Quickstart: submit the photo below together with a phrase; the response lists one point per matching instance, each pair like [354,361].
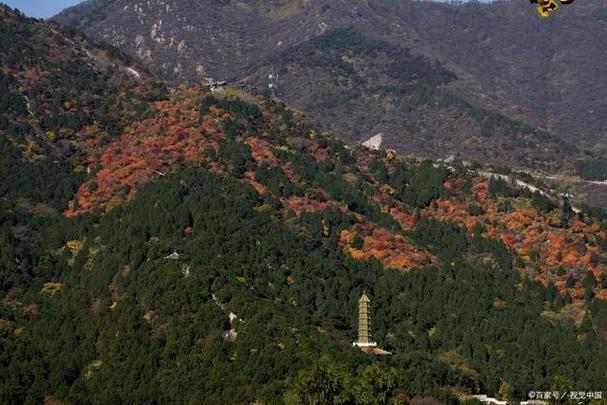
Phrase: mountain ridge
[489,46]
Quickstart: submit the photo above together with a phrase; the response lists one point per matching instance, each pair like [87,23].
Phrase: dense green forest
[595,169]
[129,325]
[259,302]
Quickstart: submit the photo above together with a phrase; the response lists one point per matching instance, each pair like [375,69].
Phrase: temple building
[364,323]
[364,342]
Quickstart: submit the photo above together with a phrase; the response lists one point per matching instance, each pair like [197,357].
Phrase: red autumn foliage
[391,250]
[148,150]
[250,179]
[406,220]
[318,152]
[301,205]
[261,152]
[534,236]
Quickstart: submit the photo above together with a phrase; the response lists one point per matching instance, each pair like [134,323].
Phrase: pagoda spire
[364,323]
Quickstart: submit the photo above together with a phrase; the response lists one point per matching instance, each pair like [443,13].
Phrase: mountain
[168,244]
[509,90]
[62,96]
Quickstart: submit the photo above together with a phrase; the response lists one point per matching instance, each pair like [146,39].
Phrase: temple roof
[364,298]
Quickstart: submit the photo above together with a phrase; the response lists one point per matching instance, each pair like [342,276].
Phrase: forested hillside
[183,246]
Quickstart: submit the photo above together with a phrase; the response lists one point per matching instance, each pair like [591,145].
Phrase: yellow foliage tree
[505,391]
[74,244]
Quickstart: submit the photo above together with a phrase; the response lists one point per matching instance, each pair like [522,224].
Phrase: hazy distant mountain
[542,72]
